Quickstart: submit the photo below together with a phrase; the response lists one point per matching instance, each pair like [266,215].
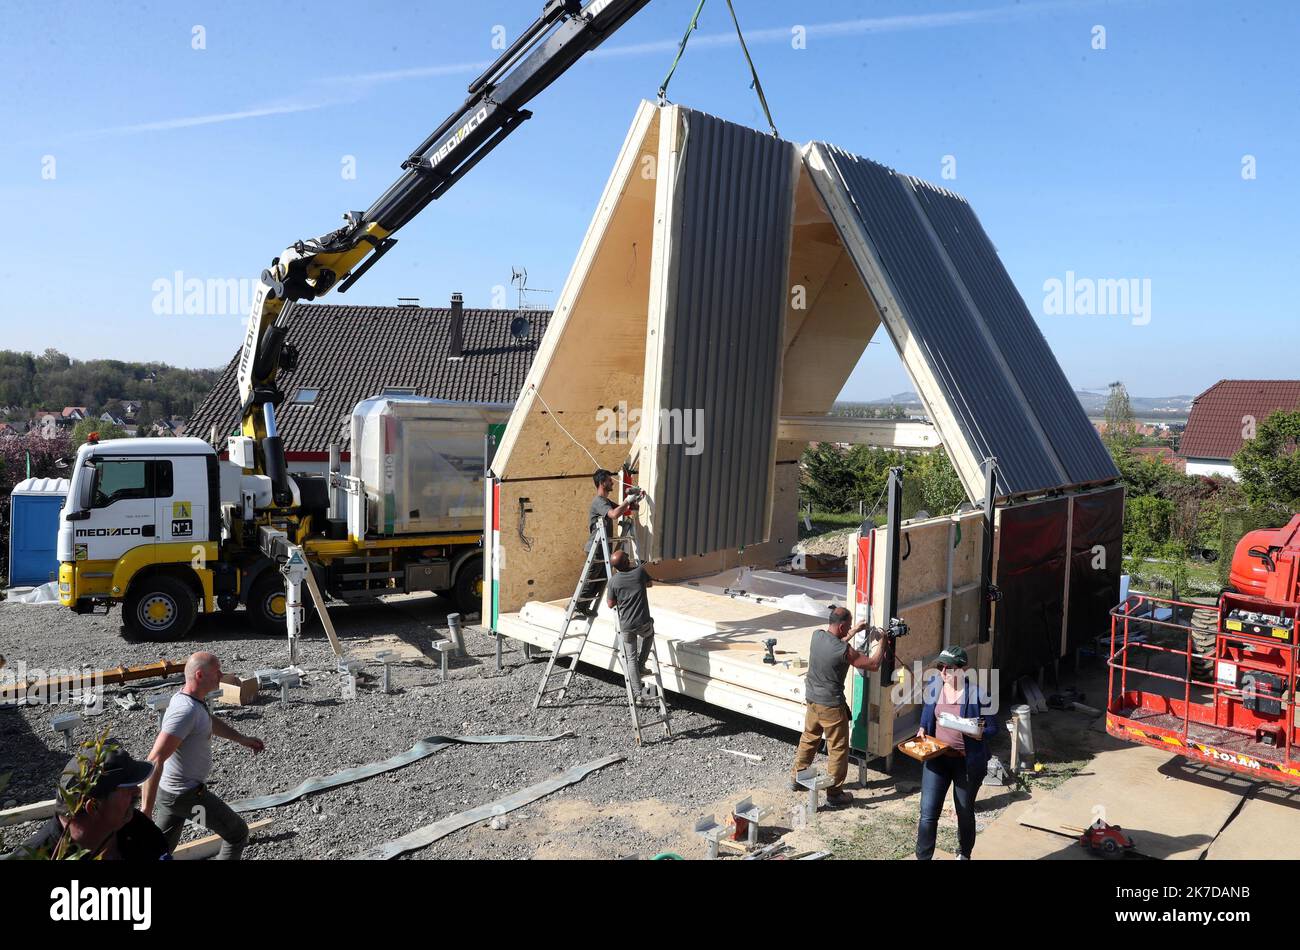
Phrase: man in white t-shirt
[182,758]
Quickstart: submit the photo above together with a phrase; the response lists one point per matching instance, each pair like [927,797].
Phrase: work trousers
[636,647]
[936,775]
[832,722]
[202,807]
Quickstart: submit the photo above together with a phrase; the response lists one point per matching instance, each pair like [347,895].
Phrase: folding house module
[726,288]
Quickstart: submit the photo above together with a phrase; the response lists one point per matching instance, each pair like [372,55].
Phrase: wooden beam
[883,433]
[204,848]
[37,811]
[120,674]
[325,620]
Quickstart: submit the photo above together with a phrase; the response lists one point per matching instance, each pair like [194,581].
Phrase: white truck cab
[133,505]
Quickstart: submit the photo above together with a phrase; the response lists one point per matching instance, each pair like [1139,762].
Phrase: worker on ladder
[627,594]
[602,506]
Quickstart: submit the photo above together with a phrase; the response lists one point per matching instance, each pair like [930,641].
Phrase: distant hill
[1094,403]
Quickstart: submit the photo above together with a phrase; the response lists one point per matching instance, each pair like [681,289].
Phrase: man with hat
[949,695]
[106,825]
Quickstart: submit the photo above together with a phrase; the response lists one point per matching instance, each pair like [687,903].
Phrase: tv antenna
[519,277]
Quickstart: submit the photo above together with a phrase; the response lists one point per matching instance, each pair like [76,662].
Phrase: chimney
[456,347]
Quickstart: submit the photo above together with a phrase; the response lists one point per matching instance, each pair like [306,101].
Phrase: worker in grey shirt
[627,594]
[827,714]
[182,758]
[602,506]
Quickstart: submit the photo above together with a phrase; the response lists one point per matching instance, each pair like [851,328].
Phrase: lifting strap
[756,85]
[681,48]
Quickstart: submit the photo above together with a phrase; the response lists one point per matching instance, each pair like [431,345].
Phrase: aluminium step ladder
[602,546]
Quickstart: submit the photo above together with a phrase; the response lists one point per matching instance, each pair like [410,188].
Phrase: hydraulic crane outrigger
[565,31]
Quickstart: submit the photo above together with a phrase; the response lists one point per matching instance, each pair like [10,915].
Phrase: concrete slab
[1267,827]
[371,647]
[1008,840]
[1171,810]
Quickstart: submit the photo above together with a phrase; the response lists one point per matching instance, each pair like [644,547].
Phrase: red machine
[1229,703]
[1110,841]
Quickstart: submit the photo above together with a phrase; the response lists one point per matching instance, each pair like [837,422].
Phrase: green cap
[953,656]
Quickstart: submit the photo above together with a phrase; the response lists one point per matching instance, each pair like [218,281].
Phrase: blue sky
[1116,163]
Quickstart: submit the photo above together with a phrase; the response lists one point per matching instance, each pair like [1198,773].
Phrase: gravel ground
[637,807]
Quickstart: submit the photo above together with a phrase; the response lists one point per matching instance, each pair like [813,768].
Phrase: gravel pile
[832,543]
[636,807]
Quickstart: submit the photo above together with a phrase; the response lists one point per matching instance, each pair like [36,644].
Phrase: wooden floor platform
[710,646]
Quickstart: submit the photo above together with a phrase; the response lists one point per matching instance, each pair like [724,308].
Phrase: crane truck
[168,529]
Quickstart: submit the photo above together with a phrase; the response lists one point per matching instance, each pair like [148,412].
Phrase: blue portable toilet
[34,530]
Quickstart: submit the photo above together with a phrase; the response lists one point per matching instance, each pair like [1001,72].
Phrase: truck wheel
[266,604]
[469,587]
[160,608]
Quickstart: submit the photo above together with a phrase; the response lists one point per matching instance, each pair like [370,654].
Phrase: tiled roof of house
[351,353]
[1221,414]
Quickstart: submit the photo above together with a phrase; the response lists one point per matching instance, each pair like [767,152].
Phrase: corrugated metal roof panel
[723,333]
[978,342]
[1027,356]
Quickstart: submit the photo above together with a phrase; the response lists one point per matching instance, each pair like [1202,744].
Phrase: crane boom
[564,32]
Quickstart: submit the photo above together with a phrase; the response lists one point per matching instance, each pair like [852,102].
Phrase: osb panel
[923,557]
[925,634]
[544,563]
[593,354]
[825,337]
[965,610]
[556,531]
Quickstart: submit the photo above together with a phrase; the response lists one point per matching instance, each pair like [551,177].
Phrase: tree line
[53,380]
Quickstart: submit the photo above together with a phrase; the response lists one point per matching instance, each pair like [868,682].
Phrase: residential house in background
[1163,454]
[347,354]
[46,422]
[1150,430]
[1225,415]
